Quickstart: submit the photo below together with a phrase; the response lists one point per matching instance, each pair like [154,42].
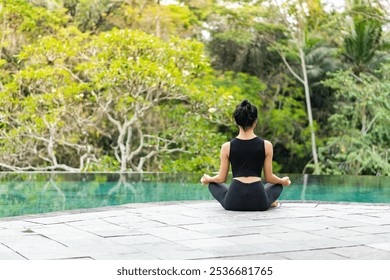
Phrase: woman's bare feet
[275,204]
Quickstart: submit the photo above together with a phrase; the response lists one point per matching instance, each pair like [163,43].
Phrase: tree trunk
[158,27]
[309,111]
[122,148]
[364,129]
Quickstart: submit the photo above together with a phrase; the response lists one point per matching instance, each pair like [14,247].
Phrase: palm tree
[363,45]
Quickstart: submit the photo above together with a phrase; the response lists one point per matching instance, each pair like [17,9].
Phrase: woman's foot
[275,204]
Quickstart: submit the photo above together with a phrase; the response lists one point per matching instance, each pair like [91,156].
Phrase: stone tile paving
[201,230]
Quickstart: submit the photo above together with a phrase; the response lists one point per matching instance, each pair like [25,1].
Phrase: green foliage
[21,23]
[105,163]
[360,140]
[200,140]
[91,13]
[160,20]
[76,88]
[364,40]
[283,121]
[204,130]
[117,85]
[22,20]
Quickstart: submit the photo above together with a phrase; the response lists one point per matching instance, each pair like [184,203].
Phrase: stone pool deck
[201,230]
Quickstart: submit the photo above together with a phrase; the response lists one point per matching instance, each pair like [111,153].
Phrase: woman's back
[247,157]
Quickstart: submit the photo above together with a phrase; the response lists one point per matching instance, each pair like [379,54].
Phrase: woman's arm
[223,169]
[270,177]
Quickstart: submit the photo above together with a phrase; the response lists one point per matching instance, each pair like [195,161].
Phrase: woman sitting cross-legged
[248,156]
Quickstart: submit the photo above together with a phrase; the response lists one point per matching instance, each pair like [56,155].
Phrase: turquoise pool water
[31,193]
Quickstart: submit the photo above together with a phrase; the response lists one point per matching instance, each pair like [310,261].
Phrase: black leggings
[245,196]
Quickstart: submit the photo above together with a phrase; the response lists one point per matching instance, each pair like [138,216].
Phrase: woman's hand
[205,179]
[286,181]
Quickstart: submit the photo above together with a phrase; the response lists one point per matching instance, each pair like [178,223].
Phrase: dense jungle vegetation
[143,85]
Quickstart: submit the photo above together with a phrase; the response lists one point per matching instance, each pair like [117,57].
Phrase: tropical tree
[132,73]
[44,124]
[150,16]
[360,140]
[364,46]
[21,23]
[294,15]
[84,99]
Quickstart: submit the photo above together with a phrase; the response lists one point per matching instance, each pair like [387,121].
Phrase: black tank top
[247,157]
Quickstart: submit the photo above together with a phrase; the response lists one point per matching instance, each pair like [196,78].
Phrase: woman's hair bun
[245,114]
[244,103]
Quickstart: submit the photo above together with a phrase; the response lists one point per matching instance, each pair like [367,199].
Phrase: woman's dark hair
[245,114]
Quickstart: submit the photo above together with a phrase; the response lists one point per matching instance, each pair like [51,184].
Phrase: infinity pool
[31,193]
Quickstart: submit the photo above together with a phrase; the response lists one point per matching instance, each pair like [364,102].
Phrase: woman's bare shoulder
[226,144]
[268,147]
[267,143]
[225,148]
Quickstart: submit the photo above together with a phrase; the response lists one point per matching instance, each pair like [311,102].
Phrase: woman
[248,155]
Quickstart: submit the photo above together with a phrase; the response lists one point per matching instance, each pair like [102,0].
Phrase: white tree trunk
[309,111]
